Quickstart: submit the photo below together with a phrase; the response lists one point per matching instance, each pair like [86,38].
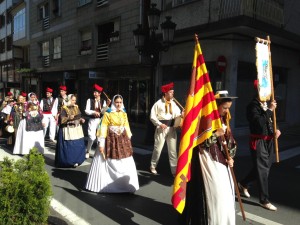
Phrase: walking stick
[174,99]
[106,95]
[224,144]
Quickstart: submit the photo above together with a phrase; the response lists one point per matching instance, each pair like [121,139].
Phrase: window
[180,2]
[57,48]
[9,18]
[56,8]
[2,45]
[9,43]
[19,25]
[108,32]
[83,2]
[45,53]
[45,48]
[43,11]
[86,43]
[2,20]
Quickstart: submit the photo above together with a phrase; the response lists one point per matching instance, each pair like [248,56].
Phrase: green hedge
[25,190]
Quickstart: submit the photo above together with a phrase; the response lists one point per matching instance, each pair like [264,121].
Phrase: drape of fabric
[26,140]
[73,133]
[70,151]
[17,114]
[117,119]
[34,121]
[168,107]
[112,175]
[219,191]
[118,146]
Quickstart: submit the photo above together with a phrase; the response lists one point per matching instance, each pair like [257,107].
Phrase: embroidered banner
[263,71]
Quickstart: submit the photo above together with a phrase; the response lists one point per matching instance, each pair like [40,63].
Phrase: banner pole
[272,99]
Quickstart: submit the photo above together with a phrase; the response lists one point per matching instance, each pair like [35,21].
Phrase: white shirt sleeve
[41,104]
[153,116]
[88,110]
[54,107]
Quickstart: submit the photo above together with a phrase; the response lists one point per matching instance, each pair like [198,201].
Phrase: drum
[178,121]
[9,129]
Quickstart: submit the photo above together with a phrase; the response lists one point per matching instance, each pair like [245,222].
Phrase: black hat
[223,94]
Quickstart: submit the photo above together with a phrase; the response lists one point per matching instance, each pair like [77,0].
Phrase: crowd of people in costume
[210,195]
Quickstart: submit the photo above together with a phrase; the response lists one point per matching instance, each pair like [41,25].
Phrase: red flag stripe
[192,114]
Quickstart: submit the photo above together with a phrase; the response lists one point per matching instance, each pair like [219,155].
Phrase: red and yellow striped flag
[201,119]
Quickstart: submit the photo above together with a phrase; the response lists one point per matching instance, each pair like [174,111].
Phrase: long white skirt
[219,191]
[26,140]
[112,175]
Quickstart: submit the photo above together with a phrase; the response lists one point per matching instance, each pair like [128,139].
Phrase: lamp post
[145,38]
[149,46]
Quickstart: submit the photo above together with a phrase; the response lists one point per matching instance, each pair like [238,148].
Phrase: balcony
[102,52]
[46,61]
[267,11]
[46,23]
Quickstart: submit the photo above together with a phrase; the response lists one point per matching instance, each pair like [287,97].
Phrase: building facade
[12,54]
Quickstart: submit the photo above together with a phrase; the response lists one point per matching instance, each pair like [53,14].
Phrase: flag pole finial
[196,38]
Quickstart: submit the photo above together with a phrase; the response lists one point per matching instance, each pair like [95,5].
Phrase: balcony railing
[263,10]
[46,23]
[101,2]
[46,61]
[102,52]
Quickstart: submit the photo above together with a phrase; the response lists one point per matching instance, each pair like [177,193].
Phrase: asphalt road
[151,204]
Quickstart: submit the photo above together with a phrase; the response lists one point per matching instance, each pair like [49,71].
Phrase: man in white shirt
[95,108]
[163,114]
[49,113]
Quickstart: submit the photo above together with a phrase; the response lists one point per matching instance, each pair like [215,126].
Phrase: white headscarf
[29,99]
[113,106]
[68,102]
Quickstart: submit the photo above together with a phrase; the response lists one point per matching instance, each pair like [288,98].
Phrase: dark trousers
[262,159]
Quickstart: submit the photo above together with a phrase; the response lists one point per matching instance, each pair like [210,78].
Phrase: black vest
[92,106]
[46,106]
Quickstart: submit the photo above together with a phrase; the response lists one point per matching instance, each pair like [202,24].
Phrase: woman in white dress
[30,130]
[113,169]
[210,196]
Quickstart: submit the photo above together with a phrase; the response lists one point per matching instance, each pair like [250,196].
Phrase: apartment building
[227,31]
[11,55]
[81,42]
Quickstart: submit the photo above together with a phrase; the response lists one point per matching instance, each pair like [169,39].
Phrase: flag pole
[272,99]
[224,144]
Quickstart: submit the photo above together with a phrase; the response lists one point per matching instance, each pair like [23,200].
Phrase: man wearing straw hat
[95,108]
[49,114]
[163,113]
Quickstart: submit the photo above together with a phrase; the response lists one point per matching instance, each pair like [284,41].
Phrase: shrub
[25,190]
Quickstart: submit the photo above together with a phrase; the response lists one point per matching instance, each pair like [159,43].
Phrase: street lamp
[145,39]
[148,45]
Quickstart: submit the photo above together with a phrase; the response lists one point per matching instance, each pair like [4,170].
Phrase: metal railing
[263,10]
[101,2]
[102,52]
[46,23]
[46,61]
